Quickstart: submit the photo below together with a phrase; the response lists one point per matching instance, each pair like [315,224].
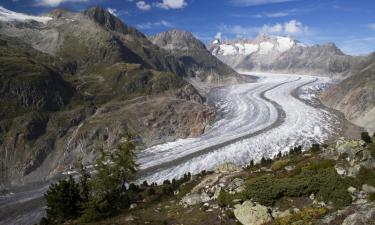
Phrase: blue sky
[348,23]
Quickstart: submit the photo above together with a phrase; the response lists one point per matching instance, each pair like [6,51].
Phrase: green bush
[315,148]
[63,201]
[225,199]
[372,197]
[366,176]
[279,164]
[306,216]
[319,178]
[371,148]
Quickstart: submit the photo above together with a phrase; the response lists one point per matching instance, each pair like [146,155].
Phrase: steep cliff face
[198,61]
[355,96]
[74,83]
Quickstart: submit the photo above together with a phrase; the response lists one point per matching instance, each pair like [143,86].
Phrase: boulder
[341,170]
[351,147]
[250,213]
[237,185]
[368,189]
[227,168]
[354,170]
[195,198]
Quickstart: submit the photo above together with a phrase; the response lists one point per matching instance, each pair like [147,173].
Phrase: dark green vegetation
[64,201]
[366,137]
[313,175]
[106,192]
[285,182]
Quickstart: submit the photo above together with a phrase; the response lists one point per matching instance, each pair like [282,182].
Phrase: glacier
[258,120]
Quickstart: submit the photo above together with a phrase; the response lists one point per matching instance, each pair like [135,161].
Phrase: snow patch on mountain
[262,45]
[7,15]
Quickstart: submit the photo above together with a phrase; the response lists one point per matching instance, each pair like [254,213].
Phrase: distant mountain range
[354,91]
[284,55]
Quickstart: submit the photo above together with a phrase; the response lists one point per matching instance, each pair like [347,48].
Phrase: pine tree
[109,191]
[84,185]
[366,137]
[252,163]
[63,201]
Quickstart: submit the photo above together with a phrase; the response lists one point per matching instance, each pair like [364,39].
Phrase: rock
[133,205]
[217,192]
[195,198]
[279,214]
[352,190]
[351,147]
[227,168]
[252,214]
[362,214]
[341,170]
[354,170]
[129,218]
[204,197]
[368,189]
[289,168]
[237,185]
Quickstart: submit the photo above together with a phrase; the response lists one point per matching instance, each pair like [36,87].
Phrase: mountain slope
[73,83]
[284,55]
[192,52]
[90,37]
[355,96]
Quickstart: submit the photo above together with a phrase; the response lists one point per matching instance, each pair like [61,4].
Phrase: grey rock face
[355,95]
[192,52]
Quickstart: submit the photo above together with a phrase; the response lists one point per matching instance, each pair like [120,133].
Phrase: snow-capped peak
[7,15]
[263,44]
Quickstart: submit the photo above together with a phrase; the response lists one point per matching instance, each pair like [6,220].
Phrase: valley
[144,116]
[255,120]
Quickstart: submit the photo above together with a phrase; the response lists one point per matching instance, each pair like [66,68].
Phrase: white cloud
[372,26]
[142,5]
[113,11]
[257,2]
[218,35]
[151,25]
[292,27]
[274,29]
[171,4]
[54,3]
[295,27]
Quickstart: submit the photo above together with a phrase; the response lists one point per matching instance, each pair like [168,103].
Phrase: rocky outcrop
[250,213]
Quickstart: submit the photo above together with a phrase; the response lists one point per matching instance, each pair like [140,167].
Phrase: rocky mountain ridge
[284,55]
[72,83]
[195,56]
[355,96]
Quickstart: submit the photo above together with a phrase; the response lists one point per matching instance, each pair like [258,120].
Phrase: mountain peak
[111,22]
[8,15]
[177,39]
